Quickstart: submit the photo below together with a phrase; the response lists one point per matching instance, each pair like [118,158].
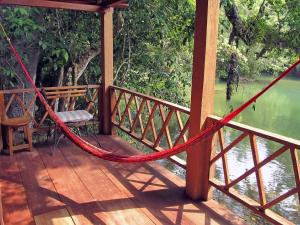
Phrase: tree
[260,33]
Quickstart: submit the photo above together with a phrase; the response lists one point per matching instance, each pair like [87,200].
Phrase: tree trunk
[83,62]
[233,78]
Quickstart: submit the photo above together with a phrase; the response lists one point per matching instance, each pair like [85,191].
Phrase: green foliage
[154,42]
[274,43]
[158,48]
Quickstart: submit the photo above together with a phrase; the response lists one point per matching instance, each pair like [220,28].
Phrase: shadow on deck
[93,191]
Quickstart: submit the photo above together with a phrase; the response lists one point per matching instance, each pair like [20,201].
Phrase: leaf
[66,56]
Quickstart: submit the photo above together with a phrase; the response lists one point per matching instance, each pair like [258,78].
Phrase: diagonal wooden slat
[280,198]
[180,124]
[165,126]
[92,102]
[46,114]
[21,104]
[163,129]
[150,119]
[259,179]
[116,107]
[183,131]
[229,147]
[152,124]
[224,157]
[11,99]
[119,110]
[25,109]
[31,104]
[138,116]
[261,164]
[126,111]
[296,168]
[118,100]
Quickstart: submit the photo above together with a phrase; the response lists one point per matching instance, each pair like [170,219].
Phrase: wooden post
[107,71]
[1,209]
[2,109]
[203,82]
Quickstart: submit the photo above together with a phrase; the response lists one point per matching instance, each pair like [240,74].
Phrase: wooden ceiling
[81,5]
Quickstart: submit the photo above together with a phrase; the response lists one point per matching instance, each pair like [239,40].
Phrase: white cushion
[74,116]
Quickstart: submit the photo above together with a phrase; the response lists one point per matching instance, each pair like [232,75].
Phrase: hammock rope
[106,155]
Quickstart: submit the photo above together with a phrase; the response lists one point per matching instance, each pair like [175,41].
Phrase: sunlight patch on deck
[57,217]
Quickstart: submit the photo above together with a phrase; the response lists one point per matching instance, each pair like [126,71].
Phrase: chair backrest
[69,94]
[64,92]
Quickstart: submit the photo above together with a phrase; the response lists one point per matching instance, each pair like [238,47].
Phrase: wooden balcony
[67,184]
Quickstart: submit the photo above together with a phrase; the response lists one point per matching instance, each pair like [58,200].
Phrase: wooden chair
[70,115]
[69,96]
[11,124]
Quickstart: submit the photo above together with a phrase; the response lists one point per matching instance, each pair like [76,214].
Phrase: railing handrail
[28,90]
[163,102]
[260,133]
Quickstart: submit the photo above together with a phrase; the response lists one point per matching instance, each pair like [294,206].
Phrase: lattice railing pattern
[156,123]
[26,100]
[263,203]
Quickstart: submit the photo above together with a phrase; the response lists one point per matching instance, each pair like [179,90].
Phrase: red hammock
[101,153]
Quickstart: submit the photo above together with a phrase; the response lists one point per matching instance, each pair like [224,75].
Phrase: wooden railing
[148,120]
[161,125]
[65,98]
[263,205]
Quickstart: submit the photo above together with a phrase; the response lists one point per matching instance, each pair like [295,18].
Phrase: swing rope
[106,155]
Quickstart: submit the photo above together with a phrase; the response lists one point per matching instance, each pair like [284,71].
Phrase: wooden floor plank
[41,194]
[57,217]
[14,201]
[152,190]
[75,187]
[70,188]
[119,208]
[162,191]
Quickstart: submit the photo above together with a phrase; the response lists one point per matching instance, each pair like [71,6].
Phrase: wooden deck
[72,187]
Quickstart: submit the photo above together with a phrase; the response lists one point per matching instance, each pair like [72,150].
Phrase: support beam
[202,100]
[71,5]
[107,71]
[111,3]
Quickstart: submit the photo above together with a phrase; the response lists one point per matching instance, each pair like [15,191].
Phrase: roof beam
[71,5]
[111,3]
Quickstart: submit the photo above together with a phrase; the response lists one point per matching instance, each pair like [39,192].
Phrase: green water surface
[278,110]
